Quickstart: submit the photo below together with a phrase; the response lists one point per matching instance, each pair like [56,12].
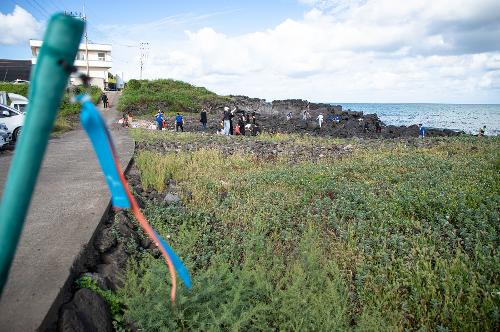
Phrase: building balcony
[92,63]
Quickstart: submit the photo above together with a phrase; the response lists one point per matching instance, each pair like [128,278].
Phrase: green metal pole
[48,81]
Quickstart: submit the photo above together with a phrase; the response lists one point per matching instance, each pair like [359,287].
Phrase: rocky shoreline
[272,118]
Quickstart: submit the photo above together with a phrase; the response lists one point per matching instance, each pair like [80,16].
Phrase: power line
[54,5]
[42,9]
[33,11]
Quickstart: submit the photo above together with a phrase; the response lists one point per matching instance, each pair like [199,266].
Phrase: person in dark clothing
[179,121]
[231,116]
[378,127]
[253,117]
[125,122]
[241,123]
[104,98]
[421,131]
[331,118]
[203,118]
[255,129]
[248,118]
[231,129]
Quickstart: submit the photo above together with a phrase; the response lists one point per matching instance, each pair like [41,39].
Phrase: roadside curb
[86,255]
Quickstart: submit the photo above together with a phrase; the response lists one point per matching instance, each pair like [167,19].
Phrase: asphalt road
[69,200]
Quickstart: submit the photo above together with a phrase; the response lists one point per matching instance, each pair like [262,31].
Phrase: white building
[99,62]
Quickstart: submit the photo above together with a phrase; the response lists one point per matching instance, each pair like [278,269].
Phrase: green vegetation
[148,136]
[142,97]
[67,110]
[395,237]
[20,89]
[113,301]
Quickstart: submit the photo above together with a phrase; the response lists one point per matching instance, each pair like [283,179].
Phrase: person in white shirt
[320,119]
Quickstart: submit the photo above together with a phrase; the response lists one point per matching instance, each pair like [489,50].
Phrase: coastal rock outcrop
[276,107]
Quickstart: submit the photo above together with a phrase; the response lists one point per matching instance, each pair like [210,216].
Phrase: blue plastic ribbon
[176,261]
[97,131]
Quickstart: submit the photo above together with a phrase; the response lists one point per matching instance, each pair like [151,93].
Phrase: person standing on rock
[482,131]
[227,121]
[331,118]
[421,131]
[231,126]
[254,117]
[203,118]
[378,127]
[179,122]
[320,120]
[241,124]
[159,120]
[306,115]
[289,116]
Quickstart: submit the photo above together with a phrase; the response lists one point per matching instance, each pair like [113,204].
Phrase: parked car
[13,119]
[5,136]
[19,81]
[18,102]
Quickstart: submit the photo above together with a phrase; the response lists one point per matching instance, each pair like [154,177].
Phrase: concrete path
[69,201]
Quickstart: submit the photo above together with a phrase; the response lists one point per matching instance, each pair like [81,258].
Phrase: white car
[19,81]
[18,102]
[13,119]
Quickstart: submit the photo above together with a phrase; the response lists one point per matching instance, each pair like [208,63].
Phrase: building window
[80,56]
[101,56]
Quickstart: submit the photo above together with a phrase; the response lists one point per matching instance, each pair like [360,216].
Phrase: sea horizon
[418,103]
[461,117]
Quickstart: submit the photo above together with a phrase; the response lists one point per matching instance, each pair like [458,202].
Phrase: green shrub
[146,97]
[20,89]
[397,237]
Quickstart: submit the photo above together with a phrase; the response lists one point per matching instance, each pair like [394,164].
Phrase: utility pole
[144,48]
[84,18]
[86,40]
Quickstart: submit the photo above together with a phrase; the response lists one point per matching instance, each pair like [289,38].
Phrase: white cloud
[18,27]
[372,50]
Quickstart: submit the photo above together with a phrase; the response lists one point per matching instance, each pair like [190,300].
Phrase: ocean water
[466,117]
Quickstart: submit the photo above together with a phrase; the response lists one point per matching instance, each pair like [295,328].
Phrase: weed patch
[393,237]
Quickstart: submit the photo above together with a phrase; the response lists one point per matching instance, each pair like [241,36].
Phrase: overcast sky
[322,50]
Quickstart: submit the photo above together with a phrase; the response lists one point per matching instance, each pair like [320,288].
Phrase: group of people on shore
[238,123]
[233,123]
[161,121]
[332,118]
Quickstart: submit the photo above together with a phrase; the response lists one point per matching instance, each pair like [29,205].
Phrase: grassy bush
[67,110]
[397,237]
[146,97]
[20,89]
